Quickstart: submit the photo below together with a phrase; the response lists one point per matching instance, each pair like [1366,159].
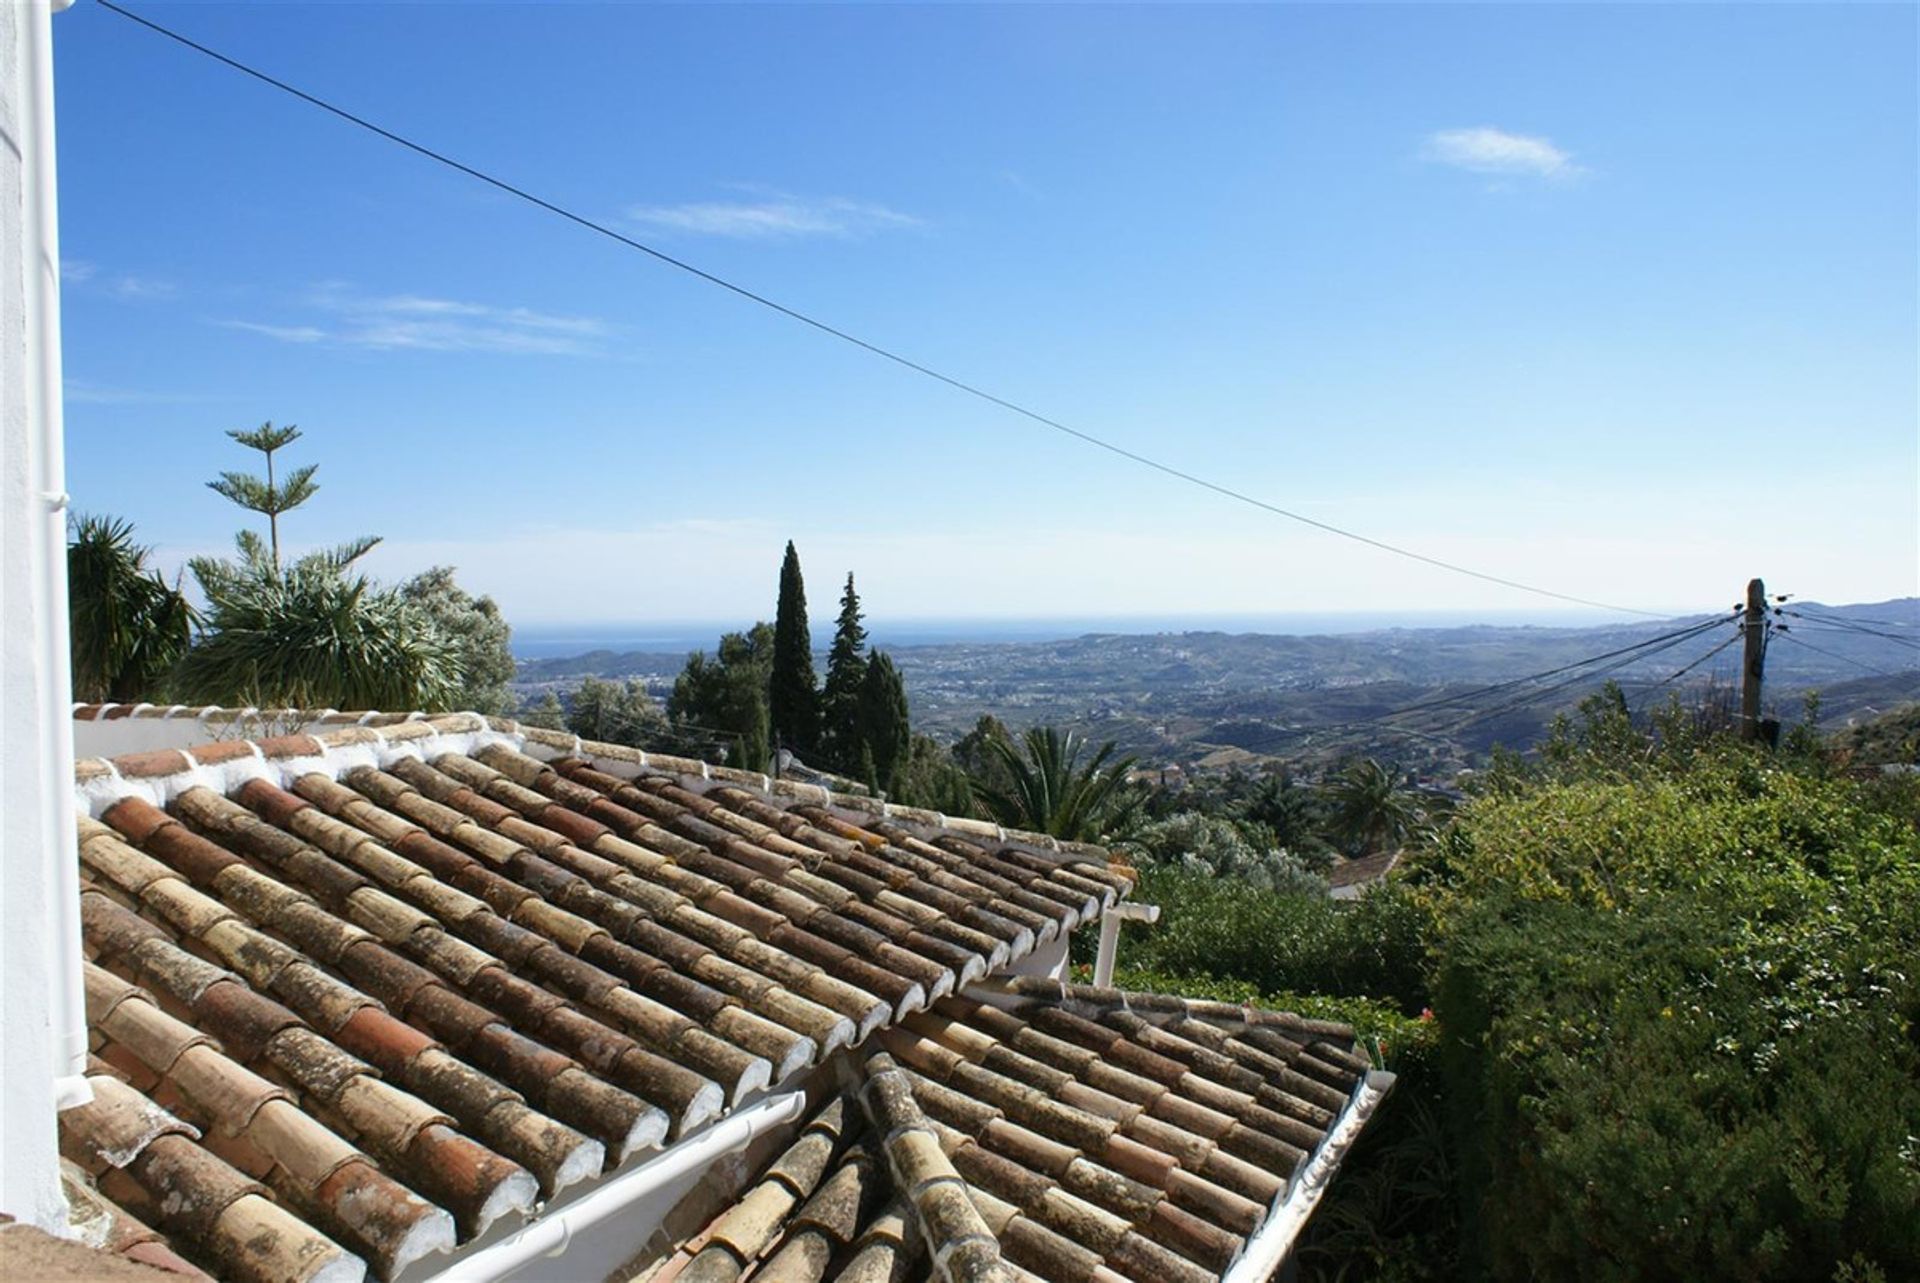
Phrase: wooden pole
[1753,671]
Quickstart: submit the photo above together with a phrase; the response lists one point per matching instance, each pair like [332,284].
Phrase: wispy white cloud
[129,286]
[412,322]
[87,275]
[285,333]
[774,215]
[1485,150]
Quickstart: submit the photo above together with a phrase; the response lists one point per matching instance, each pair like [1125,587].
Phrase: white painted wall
[42,1030]
[143,734]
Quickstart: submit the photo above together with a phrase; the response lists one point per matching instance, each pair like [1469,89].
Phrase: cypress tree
[846,670]
[884,731]
[793,696]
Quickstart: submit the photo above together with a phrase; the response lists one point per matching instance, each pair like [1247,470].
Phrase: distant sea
[549,641]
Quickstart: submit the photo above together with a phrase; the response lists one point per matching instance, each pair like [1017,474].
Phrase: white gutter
[551,1234]
[40,246]
[1110,922]
[1267,1250]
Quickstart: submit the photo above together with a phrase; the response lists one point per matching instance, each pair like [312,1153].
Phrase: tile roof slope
[96,1221]
[371,992]
[1366,868]
[1067,1137]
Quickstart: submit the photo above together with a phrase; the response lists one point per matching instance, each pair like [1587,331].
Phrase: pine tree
[546,712]
[885,735]
[267,497]
[846,670]
[793,696]
[727,695]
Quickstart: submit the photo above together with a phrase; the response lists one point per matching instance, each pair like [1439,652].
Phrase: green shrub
[1277,942]
[1678,1009]
[1209,845]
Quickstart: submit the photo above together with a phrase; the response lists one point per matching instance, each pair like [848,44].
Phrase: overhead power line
[1677,674]
[866,345]
[1623,656]
[1833,623]
[1618,664]
[1834,654]
[1680,634]
[1816,613]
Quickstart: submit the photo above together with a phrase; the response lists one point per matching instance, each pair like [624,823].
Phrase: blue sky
[1617,299]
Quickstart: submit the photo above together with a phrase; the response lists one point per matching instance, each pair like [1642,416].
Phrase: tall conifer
[793,695]
[884,731]
[840,704]
[268,497]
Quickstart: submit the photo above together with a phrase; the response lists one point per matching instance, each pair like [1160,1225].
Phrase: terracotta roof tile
[391,1004]
[152,1164]
[1012,1152]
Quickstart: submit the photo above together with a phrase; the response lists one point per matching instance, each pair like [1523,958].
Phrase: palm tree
[128,627]
[1371,807]
[314,634]
[1051,791]
[1292,814]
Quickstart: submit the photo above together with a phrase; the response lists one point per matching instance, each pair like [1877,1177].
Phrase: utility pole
[1754,625]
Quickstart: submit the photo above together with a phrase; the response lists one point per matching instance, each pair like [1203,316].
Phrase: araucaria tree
[885,737]
[128,627]
[315,632]
[846,671]
[265,495]
[793,696]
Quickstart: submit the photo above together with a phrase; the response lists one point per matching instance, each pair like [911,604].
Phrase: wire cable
[845,336]
[1639,650]
[1557,687]
[1443,701]
[1846,659]
[1676,675]
[1835,624]
[1819,613]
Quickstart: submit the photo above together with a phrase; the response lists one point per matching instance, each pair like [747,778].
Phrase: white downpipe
[1125,911]
[1267,1250]
[40,242]
[550,1234]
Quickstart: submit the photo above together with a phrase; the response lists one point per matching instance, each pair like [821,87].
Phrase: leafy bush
[1206,844]
[1679,1010]
[1283,943]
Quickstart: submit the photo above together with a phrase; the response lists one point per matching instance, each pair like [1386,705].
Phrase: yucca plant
[128,628]
[1049,789]
[314,634]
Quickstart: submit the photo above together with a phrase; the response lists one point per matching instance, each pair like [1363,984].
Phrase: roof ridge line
[159,775]
[602,750]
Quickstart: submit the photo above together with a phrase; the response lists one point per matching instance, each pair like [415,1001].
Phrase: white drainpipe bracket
[1124,911]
